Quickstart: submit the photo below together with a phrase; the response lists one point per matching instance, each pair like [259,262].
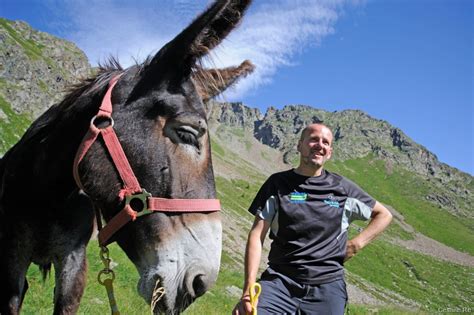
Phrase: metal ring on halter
[143,199]
[110,119]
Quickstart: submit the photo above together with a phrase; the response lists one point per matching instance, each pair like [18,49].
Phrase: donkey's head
[161,124]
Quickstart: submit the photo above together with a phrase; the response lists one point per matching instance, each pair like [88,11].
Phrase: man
[308,211]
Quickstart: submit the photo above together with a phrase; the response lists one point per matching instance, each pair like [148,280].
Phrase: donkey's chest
[54,242]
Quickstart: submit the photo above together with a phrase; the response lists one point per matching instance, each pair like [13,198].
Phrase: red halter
[131,190]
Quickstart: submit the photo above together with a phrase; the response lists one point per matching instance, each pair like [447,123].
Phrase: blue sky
[409,62]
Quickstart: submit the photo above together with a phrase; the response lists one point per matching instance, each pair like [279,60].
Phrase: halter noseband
[131,190]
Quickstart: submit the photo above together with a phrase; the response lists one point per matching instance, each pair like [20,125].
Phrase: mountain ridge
[239,112]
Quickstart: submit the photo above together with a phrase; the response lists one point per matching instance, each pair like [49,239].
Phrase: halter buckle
[139,202]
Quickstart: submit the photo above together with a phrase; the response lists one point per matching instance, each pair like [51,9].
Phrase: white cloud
[271,36]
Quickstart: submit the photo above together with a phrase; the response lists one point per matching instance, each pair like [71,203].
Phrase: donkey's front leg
[14,262]
[12,295]
[70,281]
[12,292]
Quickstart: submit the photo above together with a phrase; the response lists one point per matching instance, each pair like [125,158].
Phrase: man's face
[316,146]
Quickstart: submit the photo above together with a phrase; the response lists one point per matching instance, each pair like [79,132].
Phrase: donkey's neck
[42,161]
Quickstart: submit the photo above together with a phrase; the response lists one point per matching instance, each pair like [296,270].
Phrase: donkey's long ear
[204,33]
[211,82]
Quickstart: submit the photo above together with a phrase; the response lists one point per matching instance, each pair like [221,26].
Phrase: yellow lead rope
[255,290]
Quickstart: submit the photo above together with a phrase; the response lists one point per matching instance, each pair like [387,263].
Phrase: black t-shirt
[309,219]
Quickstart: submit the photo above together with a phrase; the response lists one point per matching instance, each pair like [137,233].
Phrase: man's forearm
[253,254]
[377,225]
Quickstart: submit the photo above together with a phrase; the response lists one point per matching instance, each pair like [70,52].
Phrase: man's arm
[253,251]
[381,218]
[253,254]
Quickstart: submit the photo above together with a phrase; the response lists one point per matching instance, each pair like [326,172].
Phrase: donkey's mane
[68,107]
[94,83]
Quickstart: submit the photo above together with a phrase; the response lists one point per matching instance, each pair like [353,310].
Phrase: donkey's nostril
[200,285]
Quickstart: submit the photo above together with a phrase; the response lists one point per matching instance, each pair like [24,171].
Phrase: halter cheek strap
[131,191]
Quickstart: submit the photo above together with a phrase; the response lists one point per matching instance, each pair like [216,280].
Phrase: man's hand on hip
[351,249]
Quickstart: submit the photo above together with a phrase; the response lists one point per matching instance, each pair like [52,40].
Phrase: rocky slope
[36,68]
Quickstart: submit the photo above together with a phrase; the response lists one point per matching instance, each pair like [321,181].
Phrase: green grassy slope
[431,283]
[40,295]
[39,299]
[12,126]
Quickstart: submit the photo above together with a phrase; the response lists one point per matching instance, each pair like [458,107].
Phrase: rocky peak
[233,114]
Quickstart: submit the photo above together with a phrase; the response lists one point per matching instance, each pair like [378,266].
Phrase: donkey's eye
[188,135]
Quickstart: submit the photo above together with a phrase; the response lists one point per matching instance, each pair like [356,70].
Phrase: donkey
[157,117]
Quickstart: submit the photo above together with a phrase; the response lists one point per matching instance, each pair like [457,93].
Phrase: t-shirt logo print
[297,197]
[331,201]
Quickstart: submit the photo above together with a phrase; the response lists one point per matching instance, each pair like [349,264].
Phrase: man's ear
[298,147]
[330,153]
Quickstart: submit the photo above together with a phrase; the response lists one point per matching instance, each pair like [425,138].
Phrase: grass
[3,83]
[217,149]
[396,231]
[235,194]
[354,309]
[432,283]
[13,127]
[237,132]
[43,86]
[94,301]
[39,299]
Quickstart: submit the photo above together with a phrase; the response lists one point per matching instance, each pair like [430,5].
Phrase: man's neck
[309,171]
